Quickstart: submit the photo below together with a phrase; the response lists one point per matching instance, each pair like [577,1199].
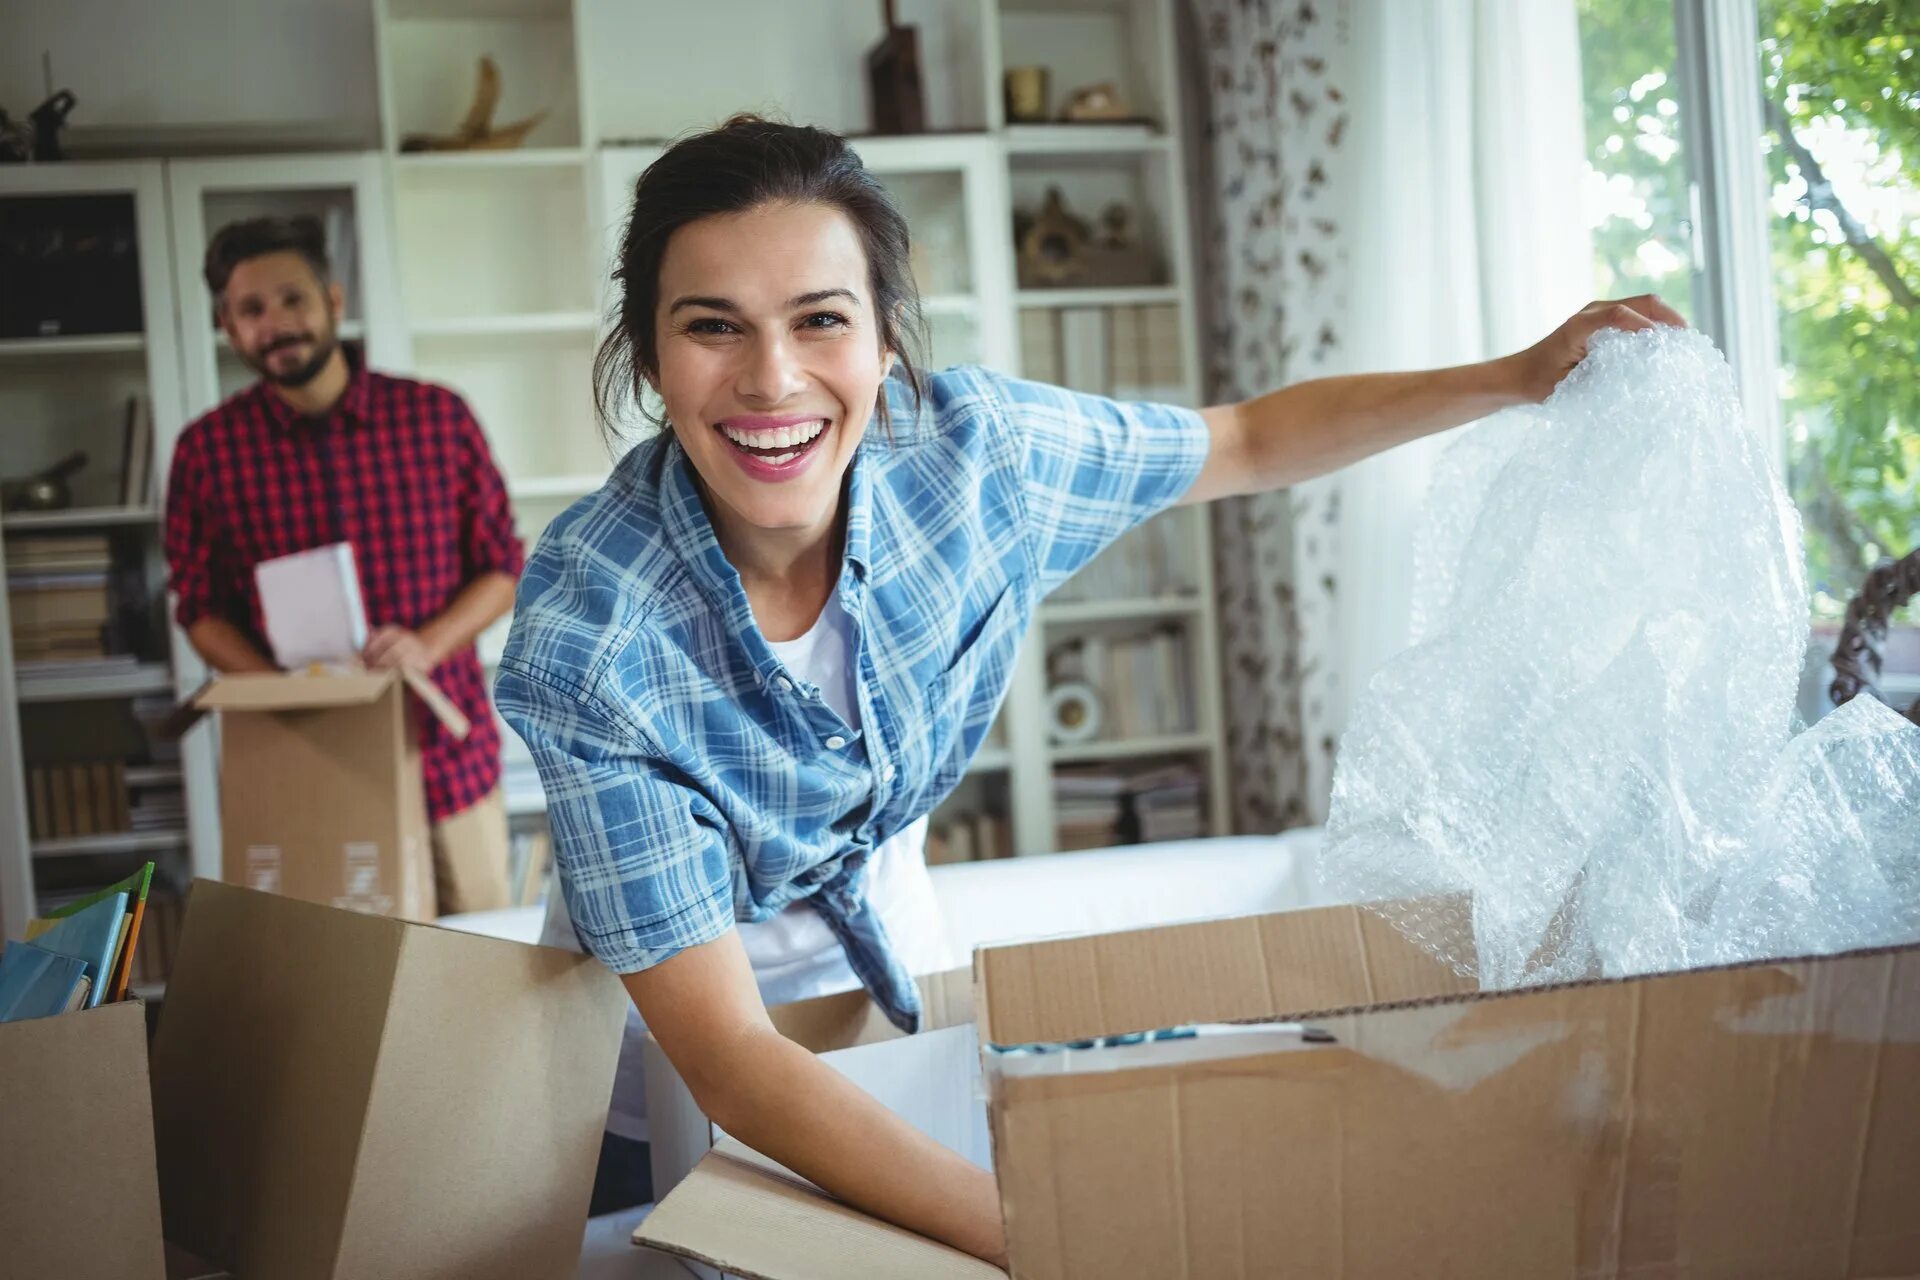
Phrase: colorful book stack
[58,599]
[77,957]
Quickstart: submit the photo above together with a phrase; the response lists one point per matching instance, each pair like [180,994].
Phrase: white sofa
[1017,899]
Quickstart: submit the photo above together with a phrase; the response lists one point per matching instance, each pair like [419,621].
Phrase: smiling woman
[751,665]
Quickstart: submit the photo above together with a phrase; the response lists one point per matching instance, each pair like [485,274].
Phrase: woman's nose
[771,371]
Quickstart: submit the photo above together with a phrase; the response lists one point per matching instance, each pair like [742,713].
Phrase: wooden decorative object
[893,77]
[1056,248]
[1053,245]
[477,131]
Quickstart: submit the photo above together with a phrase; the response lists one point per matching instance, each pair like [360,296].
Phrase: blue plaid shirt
[691,782]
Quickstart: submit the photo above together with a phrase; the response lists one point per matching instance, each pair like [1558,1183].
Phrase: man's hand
[396,648]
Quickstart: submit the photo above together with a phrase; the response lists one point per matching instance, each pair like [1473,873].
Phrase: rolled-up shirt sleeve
[1093,468]
[642,854]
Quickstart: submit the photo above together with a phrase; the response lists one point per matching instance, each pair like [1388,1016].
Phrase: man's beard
[323,348]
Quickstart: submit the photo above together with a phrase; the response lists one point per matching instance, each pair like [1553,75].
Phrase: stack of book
[78,956]
[58,599]
[157,808]
[1168,804]
[77,799]
[1096,808]
[1089,809]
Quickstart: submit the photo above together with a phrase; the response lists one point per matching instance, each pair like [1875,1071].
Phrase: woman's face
[770,360]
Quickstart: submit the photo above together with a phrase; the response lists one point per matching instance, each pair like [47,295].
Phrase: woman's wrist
[1511,380]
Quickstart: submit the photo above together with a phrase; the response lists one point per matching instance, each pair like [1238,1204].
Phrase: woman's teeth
[778,437]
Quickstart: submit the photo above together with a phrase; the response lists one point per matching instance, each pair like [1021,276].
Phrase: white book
[312,605]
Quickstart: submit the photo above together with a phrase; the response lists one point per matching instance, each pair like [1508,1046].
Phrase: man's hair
[236,242]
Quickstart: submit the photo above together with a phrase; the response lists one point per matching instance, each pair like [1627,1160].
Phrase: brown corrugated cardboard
[78,1196]
[1758,1121]
[321,795]
[761,1222]
[341,1095]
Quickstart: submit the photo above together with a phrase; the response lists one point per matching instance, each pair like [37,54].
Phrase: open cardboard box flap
[299,691]
[1734,1122]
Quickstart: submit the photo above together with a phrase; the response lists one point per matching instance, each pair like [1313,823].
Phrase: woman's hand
[1541,366]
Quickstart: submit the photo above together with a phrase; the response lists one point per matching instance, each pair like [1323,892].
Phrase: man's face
[280,319]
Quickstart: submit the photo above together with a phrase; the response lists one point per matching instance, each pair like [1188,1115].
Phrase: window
[1839,200]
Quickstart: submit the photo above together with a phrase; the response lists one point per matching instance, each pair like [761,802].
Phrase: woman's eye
[824,320]
[708,327]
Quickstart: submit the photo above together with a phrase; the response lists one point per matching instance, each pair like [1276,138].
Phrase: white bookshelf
[58,393]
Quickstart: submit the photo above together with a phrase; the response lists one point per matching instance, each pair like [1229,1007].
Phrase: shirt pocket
[958,704]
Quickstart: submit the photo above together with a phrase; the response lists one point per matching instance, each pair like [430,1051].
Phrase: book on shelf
[1096,807]
[30,554]
[80,799]
[1144,681]
[136,457]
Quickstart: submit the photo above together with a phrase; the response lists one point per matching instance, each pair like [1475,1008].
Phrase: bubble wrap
[1592,736]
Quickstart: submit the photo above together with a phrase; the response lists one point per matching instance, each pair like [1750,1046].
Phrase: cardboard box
[321,796]
[339,1095]
[1381,1119]
[78,1195]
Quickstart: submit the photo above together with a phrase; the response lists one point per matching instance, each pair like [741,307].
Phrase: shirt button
[887,773]
[836,742]
[783,684]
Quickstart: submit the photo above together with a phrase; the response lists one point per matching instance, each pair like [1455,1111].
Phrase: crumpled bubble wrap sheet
[1587,763]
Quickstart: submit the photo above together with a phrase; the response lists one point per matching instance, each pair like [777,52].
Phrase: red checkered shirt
[401,470]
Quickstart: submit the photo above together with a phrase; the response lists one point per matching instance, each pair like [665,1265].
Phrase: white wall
[302,67]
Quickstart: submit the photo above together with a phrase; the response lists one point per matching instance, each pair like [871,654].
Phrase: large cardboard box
[340,1096]
[78,1196]
[321,796]
[1371,1116]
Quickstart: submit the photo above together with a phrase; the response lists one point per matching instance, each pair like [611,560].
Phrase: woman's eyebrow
[727,304]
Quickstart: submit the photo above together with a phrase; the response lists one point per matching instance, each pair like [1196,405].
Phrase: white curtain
[1469,242]
[1454,195]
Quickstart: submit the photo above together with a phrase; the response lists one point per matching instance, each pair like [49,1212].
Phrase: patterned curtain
[1264,96]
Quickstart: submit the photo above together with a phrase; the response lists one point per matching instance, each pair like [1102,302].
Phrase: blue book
[91,935]
[36,982]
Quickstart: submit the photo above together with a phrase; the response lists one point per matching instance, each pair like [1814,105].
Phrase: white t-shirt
[794,955]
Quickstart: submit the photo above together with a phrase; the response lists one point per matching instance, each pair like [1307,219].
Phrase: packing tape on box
[1206,1042]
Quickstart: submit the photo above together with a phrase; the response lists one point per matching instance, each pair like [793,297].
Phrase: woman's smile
[773,447]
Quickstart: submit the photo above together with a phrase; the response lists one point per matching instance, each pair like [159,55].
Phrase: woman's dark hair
[745,163]
[236,242]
